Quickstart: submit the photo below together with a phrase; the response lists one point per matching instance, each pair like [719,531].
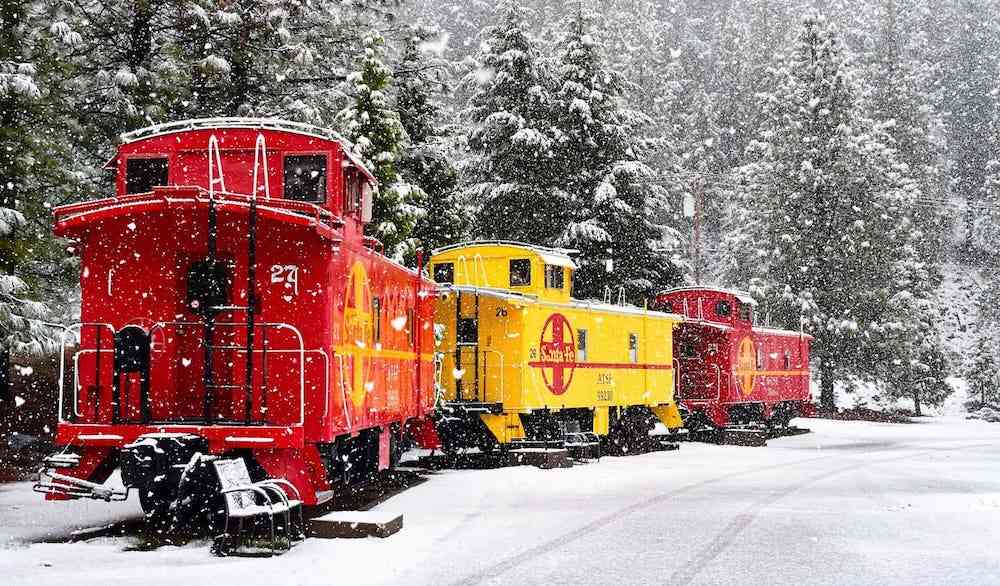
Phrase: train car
[524,362]
[732,372]
[231,304]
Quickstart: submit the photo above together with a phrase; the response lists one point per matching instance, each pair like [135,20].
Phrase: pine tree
[902,96]
[426,162]
[510,173]
[373,125]
[602,169]
[23,158]
[824,230]
[983,367]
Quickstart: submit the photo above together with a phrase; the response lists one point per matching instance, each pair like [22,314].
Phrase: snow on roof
[553,256]
[743,296]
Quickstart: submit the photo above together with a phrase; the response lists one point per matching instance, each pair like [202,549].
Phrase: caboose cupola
[306,163]
[724,306]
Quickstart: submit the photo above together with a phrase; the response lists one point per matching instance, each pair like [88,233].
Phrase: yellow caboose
[523,362]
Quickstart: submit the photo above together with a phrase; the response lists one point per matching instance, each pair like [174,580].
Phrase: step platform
[542,458]
[355,524]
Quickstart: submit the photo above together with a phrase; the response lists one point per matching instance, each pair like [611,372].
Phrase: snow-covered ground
[850,503]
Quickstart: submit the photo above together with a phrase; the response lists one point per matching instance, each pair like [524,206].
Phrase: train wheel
[156,500]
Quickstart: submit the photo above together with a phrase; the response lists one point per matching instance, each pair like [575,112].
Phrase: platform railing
[161,327]
[75,332]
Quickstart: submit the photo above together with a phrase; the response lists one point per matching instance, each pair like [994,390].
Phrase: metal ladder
[466,340]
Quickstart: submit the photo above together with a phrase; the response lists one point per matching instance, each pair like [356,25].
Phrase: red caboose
[731,372]
[231,304]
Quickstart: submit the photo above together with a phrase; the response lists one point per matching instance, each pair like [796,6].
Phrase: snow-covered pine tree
[824,230]
[983,367]
[613,203]
[510,173]
[965,34]
[22,156]
[902,94]
[373,125]
[426,163]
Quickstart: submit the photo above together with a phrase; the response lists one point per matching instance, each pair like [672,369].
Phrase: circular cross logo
[357,331]
[558,353]
[746,365]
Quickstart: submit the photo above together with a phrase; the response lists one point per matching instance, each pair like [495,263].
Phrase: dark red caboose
[231,304]
[730,371]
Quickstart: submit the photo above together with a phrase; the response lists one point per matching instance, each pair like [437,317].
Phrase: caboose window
[788,360]
[554,277]
[352,191]
[142,175]
[377,319]
[520,272]
[581,345]
[760,358]
[305,178]
[633,348]
[444,273]
[722,308]
[746,312]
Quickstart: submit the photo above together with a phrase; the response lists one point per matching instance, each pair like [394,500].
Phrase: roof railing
[232,122]
[545,249]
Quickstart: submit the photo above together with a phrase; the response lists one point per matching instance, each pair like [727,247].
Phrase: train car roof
[743,296]
[576,303]
[553,256]
[275,124]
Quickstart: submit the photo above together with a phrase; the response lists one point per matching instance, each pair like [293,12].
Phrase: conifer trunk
[916,402]
[827,400]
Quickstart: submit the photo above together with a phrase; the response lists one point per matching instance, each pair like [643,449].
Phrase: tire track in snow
[718,545]
[725,538]
[553,544]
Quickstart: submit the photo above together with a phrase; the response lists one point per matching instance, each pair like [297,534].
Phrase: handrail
[214,156]
[718,382]
[159,326]
[480,264]
[62,362]
[259,149]
[192,193]
[76,375]
[343,394]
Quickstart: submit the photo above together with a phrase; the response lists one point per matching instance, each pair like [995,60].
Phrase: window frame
[550,273]
[581,344]
[451,271]
[144,157]
[510,269]
[351,198]
[285,155]
[723,303]
[633,347]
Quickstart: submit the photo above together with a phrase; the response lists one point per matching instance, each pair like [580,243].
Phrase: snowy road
[850,503]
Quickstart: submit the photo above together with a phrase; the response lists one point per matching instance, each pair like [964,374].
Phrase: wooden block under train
[354,524]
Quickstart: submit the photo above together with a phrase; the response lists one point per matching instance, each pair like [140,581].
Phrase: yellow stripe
[355,350]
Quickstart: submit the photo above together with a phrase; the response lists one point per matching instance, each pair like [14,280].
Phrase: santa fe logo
[557,354]
[746,365]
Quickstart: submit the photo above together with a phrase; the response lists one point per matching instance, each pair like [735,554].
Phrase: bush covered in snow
[987,413]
